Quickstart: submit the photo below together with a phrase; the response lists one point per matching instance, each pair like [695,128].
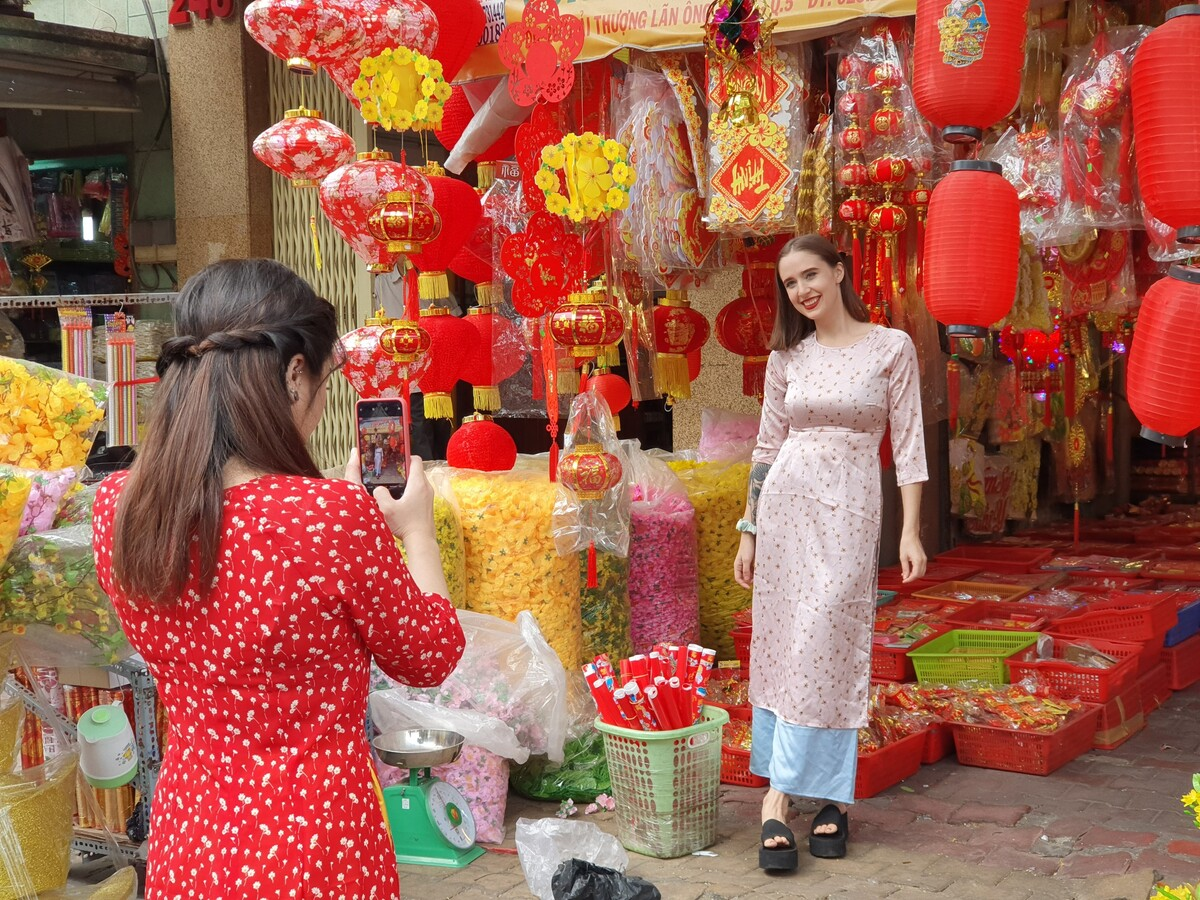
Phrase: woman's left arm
[908,451]
[912,554]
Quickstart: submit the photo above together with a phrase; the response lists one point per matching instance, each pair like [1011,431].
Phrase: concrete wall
[121,16]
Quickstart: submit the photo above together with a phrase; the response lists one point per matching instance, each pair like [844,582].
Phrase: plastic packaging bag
[76,507]
[582,773]
[605,608]
[48,420]
[1033,161]
[507,672]
[582,521]
[15,487]
[544,844]
[35,827]
[664,598]
[579,880]
[727,435]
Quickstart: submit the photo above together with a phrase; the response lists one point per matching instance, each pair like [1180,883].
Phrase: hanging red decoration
[386,24]
[403,223]
[458,205]
[695,362]
[540,261]
[464,21]
[452,342]
[967,64]
[303,33]
[482,445]
[384,356]
[349,195]
[303,148]
[499,354]
[1163,378]
[744,327]
[972,247]
[614,390]
[457,115]
[589,471]
[1167,124]
[587,324]
[539,51]
[678,331]
[474,261]
[541,130]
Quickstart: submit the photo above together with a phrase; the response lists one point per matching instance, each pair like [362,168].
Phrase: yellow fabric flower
[443,92]
[369,67]
[575,212]
[546,179]
[553,156]
[361,88]
[421,110]
[428,88]
[403,56]
[617,199]
[435,68]
[436,113]
[592,177]
[612,149]
[593,209]
[570,142]
[620,174]
[403,120]
[370,112]
[556,204]
[589,142]
[421,64]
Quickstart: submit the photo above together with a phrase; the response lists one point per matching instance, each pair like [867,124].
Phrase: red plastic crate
[1104,584]
[971,616]
[1029,752]
[1144,618]
[893,664]
[1071,681]
[735,762]
[1120,719]
[1155,687]
[892,579]
[939,743]
[741,644]
[1000,557]
[1183,663]
[888,765]
[720,675]
[1173,570]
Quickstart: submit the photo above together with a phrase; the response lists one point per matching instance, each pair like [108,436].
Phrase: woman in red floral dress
[258,594]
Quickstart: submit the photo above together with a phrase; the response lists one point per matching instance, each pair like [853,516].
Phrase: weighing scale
[430,821]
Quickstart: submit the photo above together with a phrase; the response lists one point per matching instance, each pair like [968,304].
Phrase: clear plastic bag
[512,563]
[1032,161]
[605,608]
[48,419]
[508,673]
[582,773]
[47,490]
[76,507]
[727,435]
[544,844]
[581,521]
[35,827]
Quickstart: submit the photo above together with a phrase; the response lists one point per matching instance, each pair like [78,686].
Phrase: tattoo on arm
[758,475]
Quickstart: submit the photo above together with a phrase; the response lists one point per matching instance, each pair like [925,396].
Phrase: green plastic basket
[967,655]
[666,785]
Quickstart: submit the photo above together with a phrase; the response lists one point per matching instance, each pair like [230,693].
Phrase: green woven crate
[666,785]
[968,655]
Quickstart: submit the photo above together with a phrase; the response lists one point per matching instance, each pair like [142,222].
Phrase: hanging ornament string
[550,374]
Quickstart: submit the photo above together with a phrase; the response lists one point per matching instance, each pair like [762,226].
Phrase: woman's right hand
[412,515]
[743,566]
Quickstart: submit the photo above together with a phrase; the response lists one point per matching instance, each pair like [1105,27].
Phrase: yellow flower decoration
[546,180]
[589,142]
[421,64]
[401,90]
[620,173]
[575,213]
[585,176]
[370,112]
[553,156]
[403,121]
[443,92]
[592,176]
[403,56]
[612,150]
[421,110]
[361,88]
[556,204]
[428,88]
[617,198]
[369,67]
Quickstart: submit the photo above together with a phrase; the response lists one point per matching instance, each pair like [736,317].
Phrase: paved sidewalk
[1104,827]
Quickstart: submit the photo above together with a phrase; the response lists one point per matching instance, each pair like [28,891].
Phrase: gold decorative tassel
[616,420]
[316,243]
[439,406]
[568,376]
[487,398]
[433,286]
[485,175]
[673,375]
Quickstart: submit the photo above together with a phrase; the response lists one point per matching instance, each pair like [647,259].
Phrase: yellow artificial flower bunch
[1191,800]
[400,89]
[585,176]
[14,494]
[48,419]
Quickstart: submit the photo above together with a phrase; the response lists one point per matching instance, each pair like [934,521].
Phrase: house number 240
[183,10]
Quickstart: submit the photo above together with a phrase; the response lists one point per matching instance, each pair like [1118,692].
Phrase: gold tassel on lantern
[678,330]
[433,286]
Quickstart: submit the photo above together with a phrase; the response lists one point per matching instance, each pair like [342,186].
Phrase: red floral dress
[266,789]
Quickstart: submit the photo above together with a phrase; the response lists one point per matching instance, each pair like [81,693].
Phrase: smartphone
[384,446]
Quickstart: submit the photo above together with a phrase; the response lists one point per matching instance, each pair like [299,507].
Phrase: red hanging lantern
[457,115]
[695,361]
[386,24]
[474,261]
[1167,124]
[614,390]
[589,471]
[499,355]
[967,64]
[351,193]
[678,331]
[482,445]
[464,21]
[303,33]
[744,327]
[1163,378]
[403,223]
[452,342]
[972,248]
[384,356]
[303,148]
[586,324]
[458,205]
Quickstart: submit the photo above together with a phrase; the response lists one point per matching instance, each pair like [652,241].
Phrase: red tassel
[553,429]
[900,264]
[1071,163]
[857,250]
[920,254]
[593,581]
[1094,170]
[1125,156]
[412,295]
[869,273]
[1077,523]
[1069,384]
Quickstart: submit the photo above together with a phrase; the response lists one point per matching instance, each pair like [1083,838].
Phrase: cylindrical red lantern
[459,208]
[614,390]
[1167,122]
[463,23]
[350,193]
[384,356]
[457,115]
[967,63]
[589,471]
[744,327]
[303,148]
[475,261]
[678,331]
[972,247]
[303,33]
[499,355]
[1162,381]
[482,445]
[586,324]
[385,24]
[452,342]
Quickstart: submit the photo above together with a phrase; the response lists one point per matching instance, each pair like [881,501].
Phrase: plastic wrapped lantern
[482,445]
[350,193]
[1167,124]
[499,355]
[1163,378]
[972,248]
[678,331]
[384,356]
[586,324]
[967,64]
[744,327]
[459,208]
[385,24]
[614,390]
[304,33]
[303,148]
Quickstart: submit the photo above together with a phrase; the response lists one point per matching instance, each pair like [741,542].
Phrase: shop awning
[613,25]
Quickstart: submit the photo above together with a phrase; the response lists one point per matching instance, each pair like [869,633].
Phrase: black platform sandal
[829,846]
[777,859]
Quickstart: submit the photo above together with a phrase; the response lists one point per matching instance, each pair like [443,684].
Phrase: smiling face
[813,286]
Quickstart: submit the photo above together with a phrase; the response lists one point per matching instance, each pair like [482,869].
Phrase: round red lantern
[384,356]
[967,63]
[457,115]
[303,33]
[589,471]
[385,24]
[1163,378]
[586,324]
[854,175]
[459,208]
[403,222]
[303,148]
[972,248]
[350,193]
[744,327]
[888,171]
[678,331]
[474,261]
[1167,123]
[853,139]
[499,354]
[614,390]
[482,445]
[452,342]
[464,21]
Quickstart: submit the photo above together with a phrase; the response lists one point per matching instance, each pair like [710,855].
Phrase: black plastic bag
[579,880]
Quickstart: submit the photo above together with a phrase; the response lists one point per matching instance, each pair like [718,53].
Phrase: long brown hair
[222,395]
[791,327]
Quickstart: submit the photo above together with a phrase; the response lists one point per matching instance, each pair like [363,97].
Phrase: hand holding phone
[384,448]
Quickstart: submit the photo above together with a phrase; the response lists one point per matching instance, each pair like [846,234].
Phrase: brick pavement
[1104,827]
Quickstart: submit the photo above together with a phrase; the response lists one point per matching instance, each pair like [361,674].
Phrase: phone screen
[383,443]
